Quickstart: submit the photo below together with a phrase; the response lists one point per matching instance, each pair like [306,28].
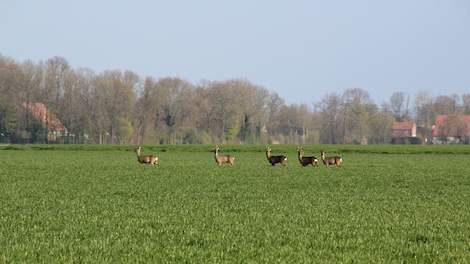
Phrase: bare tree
[466,103]
[444,105]
[356,104]
[399,103]
[331,112]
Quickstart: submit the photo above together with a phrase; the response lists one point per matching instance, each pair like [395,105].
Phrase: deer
[333,160]
[305,161]
[146,159]
[275,159]
[221,159]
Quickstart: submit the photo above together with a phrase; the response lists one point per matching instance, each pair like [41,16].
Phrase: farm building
[404,132]
[403,129]
[47,119]
[451,129]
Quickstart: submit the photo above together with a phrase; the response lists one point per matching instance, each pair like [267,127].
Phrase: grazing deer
[333,160]
[275,159]
[221,159]
[305,161]
[146,159]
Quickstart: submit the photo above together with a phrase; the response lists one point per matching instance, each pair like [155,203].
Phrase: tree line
[121,107]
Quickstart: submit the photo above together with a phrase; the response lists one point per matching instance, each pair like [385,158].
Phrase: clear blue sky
[301,49]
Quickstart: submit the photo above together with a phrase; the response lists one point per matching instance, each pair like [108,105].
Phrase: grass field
[386,204]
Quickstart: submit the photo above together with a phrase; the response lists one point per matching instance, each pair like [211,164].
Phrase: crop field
[385,204]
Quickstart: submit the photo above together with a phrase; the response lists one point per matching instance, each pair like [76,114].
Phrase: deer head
[268,151]
[137,150]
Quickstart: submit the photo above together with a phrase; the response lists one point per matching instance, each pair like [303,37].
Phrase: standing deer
[146,159]
[305,161]
[275,159]
[333,160]
[221,159]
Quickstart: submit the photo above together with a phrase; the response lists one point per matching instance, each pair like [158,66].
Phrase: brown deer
[275,159]
[146,159]
[221,159]
[305,161]
[333,160]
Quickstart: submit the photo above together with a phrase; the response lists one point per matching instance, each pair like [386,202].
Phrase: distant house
[404,132]
[451,129]
[403,129]
[47,119]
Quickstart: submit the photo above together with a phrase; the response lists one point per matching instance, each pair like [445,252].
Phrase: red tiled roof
[39,111]
[440,120]
[402,125]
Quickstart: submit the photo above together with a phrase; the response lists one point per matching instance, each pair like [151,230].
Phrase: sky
[300,49]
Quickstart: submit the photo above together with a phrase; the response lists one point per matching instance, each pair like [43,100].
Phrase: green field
[386,204]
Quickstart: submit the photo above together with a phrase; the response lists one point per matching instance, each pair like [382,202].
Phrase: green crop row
[373,149]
